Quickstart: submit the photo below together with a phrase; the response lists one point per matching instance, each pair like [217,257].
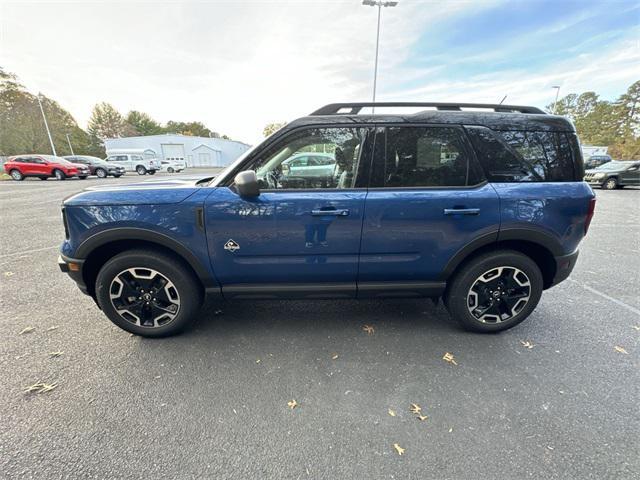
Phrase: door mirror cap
[247,184]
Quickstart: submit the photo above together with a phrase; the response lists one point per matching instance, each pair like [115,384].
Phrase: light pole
[46,125]
[379,4]
[555,102]
[69,142]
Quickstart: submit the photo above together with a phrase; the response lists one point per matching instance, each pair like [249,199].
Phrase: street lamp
[46,125]
[379,4]
[555,102]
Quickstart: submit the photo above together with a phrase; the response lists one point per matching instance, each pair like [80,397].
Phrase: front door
[301,235]
[427,200]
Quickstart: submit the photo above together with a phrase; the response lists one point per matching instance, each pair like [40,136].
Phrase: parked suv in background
[43,167]
[614,175]
[135,163]
[97,166]
[483,208]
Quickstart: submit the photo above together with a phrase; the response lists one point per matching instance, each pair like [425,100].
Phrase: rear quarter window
[527,156]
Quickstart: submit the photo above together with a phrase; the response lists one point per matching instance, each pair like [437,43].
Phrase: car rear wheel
[610,184]
[83,177]
[148,293]
[59,174]
[16,175]
[117,175]
[170,170]
[152,172]
[141,170]
[101,173]
[494,291]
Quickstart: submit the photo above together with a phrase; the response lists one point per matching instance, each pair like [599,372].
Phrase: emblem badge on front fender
[231,245]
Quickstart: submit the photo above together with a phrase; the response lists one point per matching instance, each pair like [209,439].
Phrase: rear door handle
[335,212]
[461,211]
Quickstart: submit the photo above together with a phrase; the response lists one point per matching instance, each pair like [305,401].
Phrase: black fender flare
[133,233]
[526,234]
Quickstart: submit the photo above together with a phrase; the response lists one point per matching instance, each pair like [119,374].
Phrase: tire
[101,173]
[507,303]
[59,174]
[610,184]
[152,172]
[117,176]
[16,175]
[141,170]
[43,178]
[170,170]
[183,291]
[84,177]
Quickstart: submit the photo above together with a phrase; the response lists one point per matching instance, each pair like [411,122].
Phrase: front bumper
[564,267]
[73,268]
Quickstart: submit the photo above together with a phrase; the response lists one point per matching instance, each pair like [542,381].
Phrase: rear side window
[525,156]
[426,157]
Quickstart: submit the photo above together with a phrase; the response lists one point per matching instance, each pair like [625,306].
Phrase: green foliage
[143,124]
[270,128]
[194,129]
[22,128]
[600,122]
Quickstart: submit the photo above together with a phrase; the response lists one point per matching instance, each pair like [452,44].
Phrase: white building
[196,151]
[591,150]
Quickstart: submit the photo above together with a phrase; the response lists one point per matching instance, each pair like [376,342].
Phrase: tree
[193,129]
[272,128]
[106,122]
[143,124]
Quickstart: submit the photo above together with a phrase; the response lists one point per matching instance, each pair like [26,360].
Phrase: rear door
[631,176]
[427,200]
[301,235]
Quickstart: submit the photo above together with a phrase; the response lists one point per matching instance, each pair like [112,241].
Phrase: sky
[238,65]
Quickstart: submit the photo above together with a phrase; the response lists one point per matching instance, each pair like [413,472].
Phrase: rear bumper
[564,267]
[73,268]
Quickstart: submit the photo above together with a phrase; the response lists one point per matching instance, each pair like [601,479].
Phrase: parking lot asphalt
[212,403]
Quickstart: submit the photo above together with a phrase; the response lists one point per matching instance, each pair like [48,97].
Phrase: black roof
[498,117]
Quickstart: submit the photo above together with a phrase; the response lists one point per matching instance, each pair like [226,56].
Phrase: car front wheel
[610,184]
[494,291]
[101,173]
[170,170]
[16,175]
[59,174]
[141,170]
[148,293]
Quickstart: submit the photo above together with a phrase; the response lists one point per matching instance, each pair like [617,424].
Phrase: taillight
[590,212]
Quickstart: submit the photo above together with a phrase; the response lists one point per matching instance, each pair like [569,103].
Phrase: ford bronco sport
[482,205]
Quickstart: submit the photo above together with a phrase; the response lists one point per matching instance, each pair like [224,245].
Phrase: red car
[43,167]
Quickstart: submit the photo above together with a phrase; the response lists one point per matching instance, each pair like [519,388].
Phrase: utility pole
[69,142]
[46,125]
[379,4]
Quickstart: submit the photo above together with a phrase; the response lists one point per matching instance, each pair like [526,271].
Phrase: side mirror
[247,184]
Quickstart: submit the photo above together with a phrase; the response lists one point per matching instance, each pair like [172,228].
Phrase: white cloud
[239,65]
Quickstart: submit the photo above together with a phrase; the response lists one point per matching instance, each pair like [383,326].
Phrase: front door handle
[335,212]
[461,211]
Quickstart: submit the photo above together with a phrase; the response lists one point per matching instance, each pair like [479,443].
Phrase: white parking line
[604,295]
[24,252]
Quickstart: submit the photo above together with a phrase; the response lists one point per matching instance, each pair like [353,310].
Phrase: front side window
[427,157]
[136,158]
[286,167]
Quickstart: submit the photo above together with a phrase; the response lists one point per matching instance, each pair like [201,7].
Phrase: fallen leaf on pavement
[369,329]
[448,357]
[398,448]
[26,330]
[450,430]
[40,387]
[526,344]
[8,274]
[55,354]
[258,361]
[422,418]
[415,408]
[55,327]
[334,356]
[392,413]
[620,350]
[292,404]
[637,327]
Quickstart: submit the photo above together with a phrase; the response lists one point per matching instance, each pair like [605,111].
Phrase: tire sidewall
[101,173]
[614,184]
[184,282]
[141,170]
[16,175]
[59,174]
[456,298]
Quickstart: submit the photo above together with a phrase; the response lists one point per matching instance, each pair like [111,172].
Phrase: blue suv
[482,205]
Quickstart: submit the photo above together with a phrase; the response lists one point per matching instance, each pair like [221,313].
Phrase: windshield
[613,166]
[230,167]
[93,159]
[51,158]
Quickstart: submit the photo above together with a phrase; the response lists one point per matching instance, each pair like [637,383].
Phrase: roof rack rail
[354,108]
